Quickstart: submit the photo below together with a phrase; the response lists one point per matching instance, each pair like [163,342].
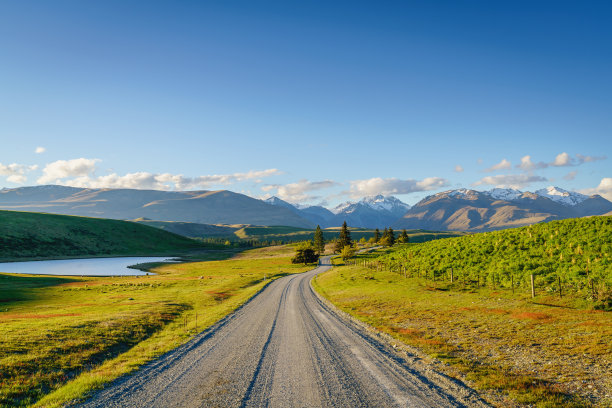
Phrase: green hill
[575,252]
[192,229]
[37,235]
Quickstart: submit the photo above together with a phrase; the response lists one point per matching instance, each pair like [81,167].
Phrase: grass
[62,337]
[543,353]
[25,235]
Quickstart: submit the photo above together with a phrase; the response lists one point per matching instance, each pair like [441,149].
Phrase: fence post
[532,286]
[452,279]
[560,291]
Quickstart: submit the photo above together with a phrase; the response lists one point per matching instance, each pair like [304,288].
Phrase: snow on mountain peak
[506,194]
[562,196]
[381,202]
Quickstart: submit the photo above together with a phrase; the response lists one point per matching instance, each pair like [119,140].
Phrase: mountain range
[453,210]
[370,212]
[471,210]
[203,207]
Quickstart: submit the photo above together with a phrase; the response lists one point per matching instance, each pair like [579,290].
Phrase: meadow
[546,351]
[62,337]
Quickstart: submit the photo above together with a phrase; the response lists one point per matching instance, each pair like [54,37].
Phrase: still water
[78,267]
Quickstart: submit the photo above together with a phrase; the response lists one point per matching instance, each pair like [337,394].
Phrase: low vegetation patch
[61,337]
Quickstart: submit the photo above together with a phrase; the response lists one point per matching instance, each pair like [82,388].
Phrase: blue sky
[312,101]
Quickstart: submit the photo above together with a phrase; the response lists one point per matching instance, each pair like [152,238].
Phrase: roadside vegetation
[485,327]
[61,337]
[26,235]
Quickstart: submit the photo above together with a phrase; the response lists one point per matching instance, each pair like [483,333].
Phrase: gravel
[287,347]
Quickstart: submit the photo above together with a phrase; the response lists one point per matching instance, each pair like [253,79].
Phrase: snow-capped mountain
[507,194]
[383,203]
[471,210]
[569,198]
[370,212]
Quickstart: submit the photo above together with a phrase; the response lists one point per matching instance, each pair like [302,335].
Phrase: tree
[305,254]
[403,238]
[376,235]
[345,236]
[347,252]
[319,241]
[388,238]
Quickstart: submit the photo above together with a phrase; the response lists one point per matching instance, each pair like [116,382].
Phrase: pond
[82,267]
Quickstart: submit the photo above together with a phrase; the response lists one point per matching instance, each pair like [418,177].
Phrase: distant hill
[470,210]
[35,235]
[192,230]
[204,207]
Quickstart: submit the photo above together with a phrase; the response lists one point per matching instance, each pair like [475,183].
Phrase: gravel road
[285,348]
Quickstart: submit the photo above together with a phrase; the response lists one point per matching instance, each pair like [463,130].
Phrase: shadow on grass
[17,288]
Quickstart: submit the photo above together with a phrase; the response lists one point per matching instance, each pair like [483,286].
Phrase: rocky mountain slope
[470,210]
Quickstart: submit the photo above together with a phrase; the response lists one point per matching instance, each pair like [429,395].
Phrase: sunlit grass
[535,352]
[60,337]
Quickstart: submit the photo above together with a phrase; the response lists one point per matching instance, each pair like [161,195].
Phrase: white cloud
[502,165]
[80,173]
[16,173]
[570,176]
[61,169]
[390,186]
[604,189]
[562,159]
[458,169]
[297,192]
[40,150]
[517,181]
[528,165]
[164,181]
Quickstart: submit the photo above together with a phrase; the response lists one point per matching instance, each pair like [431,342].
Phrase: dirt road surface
[285,348]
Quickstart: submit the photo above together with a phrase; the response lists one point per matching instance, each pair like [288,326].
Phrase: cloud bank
[516,181]
[81,173]
[390,186]
[298,192]
[16,173]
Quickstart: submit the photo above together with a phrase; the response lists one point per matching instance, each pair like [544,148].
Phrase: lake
[78,267]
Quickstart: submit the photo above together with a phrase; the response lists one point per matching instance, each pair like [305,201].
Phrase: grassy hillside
[549,351]
[573,253]
[192,229]
[37,235]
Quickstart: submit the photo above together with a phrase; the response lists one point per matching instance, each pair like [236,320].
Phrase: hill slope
[36,235]
[204,207]
[578,251]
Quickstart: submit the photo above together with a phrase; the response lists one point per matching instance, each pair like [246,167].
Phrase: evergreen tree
[345,236]
[388,238]
[391,235]
[305,254]
[319,241]
[376,235]
[403,238]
